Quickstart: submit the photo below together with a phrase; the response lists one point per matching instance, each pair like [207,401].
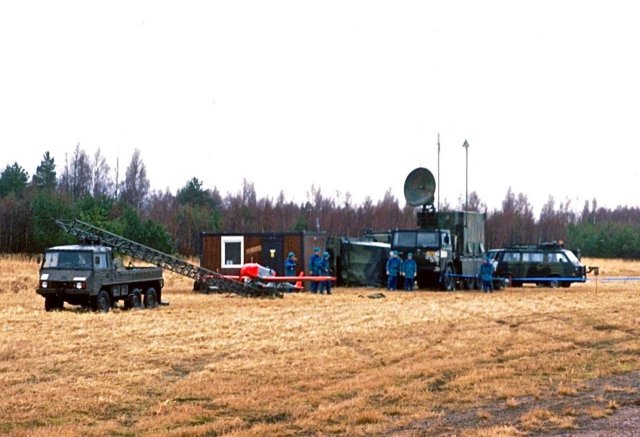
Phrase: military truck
[448,246]
[90,276]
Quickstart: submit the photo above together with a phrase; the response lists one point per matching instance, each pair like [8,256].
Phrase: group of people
[318,266]
[407,269]
[397,267]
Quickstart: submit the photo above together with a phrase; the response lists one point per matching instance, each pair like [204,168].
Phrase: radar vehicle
[448,246]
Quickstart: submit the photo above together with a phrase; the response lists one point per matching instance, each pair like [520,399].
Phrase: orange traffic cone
[299,283]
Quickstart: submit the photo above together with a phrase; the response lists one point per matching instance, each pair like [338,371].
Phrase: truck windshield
[419,239]
[428,239]
[75,260]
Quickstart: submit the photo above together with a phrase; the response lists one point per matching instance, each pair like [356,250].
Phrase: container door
[273,253]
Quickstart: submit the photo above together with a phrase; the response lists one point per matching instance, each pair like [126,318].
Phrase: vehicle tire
[53,303]
[103,302]
[150,298]
[448,281]
[553,283]
[133,300]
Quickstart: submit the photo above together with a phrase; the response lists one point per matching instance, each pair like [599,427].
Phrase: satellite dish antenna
[419,187]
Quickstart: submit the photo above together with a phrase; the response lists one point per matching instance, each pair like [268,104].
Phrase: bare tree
[102,184]
[76,177]
[136,183]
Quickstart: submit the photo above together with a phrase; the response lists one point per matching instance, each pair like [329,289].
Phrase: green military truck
[90,276]
[448,246]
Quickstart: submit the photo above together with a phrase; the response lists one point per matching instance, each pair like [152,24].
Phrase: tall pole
[466,192]
[438,171]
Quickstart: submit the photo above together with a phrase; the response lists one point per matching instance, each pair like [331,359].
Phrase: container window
[232,251]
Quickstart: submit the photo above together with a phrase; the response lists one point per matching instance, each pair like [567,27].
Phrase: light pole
[466,192]
[438,172]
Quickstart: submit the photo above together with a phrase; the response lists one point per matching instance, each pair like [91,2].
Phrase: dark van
[546,264]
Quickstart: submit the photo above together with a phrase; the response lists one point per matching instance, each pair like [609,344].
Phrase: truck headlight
[80,285]
[44,284]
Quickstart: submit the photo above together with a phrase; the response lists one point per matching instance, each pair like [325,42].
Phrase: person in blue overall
[409,269]
[486,275]
[393,268]
[325,271]
[314,268]
[290,264]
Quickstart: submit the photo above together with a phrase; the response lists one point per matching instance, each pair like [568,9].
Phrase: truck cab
[432,250]
[87,275]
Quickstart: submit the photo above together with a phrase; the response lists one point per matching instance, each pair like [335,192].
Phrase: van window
[532,257]
[572,257]
[511,257]
[557,258]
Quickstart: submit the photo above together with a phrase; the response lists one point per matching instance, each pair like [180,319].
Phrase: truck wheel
[53,303]
[134,300]
[448,281]
[150,298]
[554,283]
[103,302]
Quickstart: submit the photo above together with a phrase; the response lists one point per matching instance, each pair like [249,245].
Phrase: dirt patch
[596,408]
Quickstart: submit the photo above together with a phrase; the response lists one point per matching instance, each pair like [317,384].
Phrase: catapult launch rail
[94,235]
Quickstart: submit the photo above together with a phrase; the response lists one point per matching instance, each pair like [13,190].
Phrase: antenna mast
[438,171]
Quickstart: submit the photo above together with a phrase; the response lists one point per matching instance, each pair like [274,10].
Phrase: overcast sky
[346,95]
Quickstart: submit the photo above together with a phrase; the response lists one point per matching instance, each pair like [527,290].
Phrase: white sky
[346,95]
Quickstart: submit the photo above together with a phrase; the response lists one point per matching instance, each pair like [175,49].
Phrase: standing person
[314,268]
[325,271]
[290,264]
[393,268]
[409,269]
[486,275]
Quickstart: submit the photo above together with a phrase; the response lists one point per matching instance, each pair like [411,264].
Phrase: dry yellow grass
[341,364]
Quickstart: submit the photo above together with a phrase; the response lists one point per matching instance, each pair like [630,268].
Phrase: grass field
[521,361]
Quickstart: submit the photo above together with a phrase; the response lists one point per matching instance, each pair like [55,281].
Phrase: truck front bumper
[62,292]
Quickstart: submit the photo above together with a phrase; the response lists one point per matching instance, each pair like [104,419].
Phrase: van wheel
[554,283]
[103,302]
[448,281]
[150,298]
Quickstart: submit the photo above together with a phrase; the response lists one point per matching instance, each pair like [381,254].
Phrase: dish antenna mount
[419,188]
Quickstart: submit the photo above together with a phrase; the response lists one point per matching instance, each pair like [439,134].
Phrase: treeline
[86,187]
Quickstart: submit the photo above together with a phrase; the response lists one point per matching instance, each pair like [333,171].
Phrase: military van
[545,264]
